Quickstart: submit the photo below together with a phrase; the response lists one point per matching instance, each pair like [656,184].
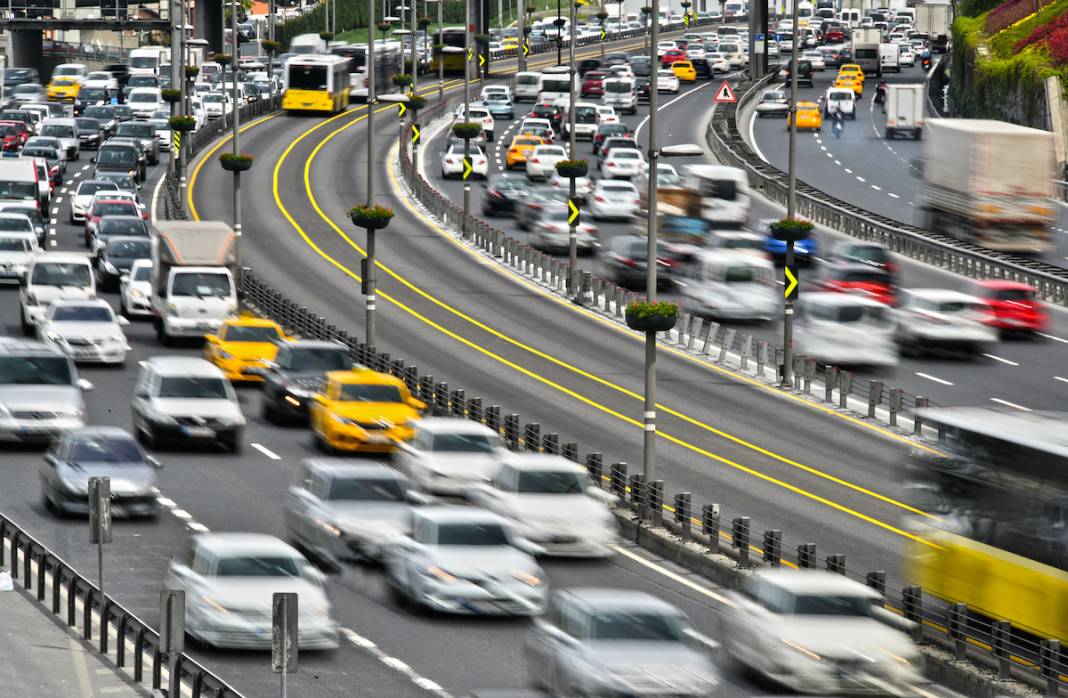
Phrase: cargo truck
[904,110]
[933,19]
[193,278]
[989,183]
[866,42]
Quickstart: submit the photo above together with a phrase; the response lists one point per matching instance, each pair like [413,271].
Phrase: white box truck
[990,183]
[933,18]
[904,110]
[148,59]
[866,42]
[193,278]
[889,58]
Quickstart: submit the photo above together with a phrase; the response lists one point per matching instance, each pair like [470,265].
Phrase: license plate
[198,432]
[377,439]
[203,325]
[482,606]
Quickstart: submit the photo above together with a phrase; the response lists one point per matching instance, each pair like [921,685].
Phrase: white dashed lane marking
[1010,404]
[266,451]
[1001,360]
[933,378]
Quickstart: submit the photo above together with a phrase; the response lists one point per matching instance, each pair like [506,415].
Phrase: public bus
[453,37]
[315,83]
[996,486]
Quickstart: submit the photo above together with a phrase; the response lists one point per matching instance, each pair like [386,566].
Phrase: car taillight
[611,164]
[496,194]
[536,160]
[599,198]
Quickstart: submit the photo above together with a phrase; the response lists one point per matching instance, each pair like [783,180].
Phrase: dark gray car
[145,133]
[296,374]
[117,256]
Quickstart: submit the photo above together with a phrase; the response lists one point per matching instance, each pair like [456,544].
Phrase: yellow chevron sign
[572,219]
[467,167]
[176,142]
[400,112]
[790,292]
[470,54]
[415,134]
[604,34]
[481,60]
[526,48]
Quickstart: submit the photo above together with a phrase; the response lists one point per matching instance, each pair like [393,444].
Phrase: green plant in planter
[602,16]
[370,217]
[192,71]
[415,103]
[402,80]
[385,27]
[572,168]
[182,124]
[171,96]
[235,162]
[326,36]
[789,229]
[652,317]
[467,130]
[270,47]
[424,22]
[223,59]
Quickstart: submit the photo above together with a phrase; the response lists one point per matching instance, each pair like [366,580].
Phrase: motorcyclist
[839,124]
[880,93]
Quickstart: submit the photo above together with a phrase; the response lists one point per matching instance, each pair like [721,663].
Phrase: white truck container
[889,58]
[148,59]
[990,183]
[933,18]
[904,109]
[193,278]
[866,42]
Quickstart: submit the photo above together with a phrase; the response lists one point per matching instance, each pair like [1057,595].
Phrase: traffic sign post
[467,168]
[790,290]
[100,527]
[172,635]
[573,212]
[284,635]
[725,95]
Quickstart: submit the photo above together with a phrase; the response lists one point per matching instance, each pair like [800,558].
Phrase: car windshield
[14,244]
[193,387]
[117,156]
[116,208]
[862,276]
[828,605]
[15,223]
[18,190]
[57,130]
[130,249]
[1013,294]
[462,443]
[370,392]
[250,333]
[87,125]
[550,482]
[142,80]
[40,152]
[35,370]
[105,449]
[201,285]
[378,489]
[636,625]
[133,129]
[473,534]
[103,113]
[82,313]
[61,274]
[251,566]
[143,97]
[92,94]
[122,180]
[310,359]
[123,226]
[143,273]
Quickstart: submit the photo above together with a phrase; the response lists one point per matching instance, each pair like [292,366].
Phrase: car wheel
[322,444]
[146,436]
[268,411]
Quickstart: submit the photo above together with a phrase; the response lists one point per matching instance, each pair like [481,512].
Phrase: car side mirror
[123,321]
[92,160]
[154,462]
[85,384]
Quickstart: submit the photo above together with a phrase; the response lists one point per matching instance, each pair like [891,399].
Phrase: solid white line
[932,378]
[671,575]
[1055,339]
[1009,404]
[1061,379]
[198,527]
[890,193]
[266,451]
[998,358]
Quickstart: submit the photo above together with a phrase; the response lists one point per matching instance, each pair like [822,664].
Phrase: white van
[889,58]
[148,59]
[845,329]
[850,17]
[526,86]
[731,285]
[724,193]
[733,8]
[555,82]
[51,276]
[620,95]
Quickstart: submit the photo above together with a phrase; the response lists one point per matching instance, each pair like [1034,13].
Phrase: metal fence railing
[128,641]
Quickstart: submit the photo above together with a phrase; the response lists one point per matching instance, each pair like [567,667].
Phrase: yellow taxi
[851,69]
[63,89]
[808,116]
[363,410]
[522,145]
[510,43]
[852,82]
[243,343]
[684,71]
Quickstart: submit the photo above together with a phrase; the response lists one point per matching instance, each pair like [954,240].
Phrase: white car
[479,115]
[942,318]
[583,186]
[541,163]
[552,503]
[17,250]
[452,161]
[614,199]
[696,53]
[216,105]
[87,331]
[187,399]
[606,115]
[664,46]
[229,580]
[732,285]
[465,560]
[815,58]
[717,62]
[100,79]
[666,81]
[144,101]
[840,99]
[734,54]
[623,163]
[846,329]
[135,290]
[820,632]
[496,89]
[448,456]
[537,123]
[53,276]
[907,55]
[551,231]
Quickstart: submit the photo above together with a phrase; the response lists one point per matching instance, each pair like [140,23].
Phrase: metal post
[270,36]
[521,20]
[649,436]
[572,233]
[441,57]
[372,100]
[177,78]
[559,35]
[467,113]
[183,53]
[237,146]
[791,202]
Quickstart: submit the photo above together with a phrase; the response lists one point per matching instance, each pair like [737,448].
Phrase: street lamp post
[572,232]
[521,25]
[649,440]
[467,112]
[369,272]
[788,311]
[559,34]
[441,56]
[236,143]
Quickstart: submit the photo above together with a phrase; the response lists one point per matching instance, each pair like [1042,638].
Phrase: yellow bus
[997,485]
[316,83]
[452,37]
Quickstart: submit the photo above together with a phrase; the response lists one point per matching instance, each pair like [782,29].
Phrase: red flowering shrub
[1043,32]
[1011,12]
[1058,45]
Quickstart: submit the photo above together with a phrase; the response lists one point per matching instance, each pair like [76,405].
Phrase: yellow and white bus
[316,83]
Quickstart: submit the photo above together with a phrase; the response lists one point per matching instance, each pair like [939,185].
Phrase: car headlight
[298,392]
[329,527]
[215,607]
[527,578]
[440,574]
[137,293]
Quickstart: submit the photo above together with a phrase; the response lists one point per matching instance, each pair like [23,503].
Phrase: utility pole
[521,25]
[791,202]
[371,103]
[649,435]
[572,233]
[467,113]
[441,56]
[237,147]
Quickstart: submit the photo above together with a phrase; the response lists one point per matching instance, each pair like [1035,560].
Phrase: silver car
[79,454]
[144,132]
[616,642]
[343,510]
[40,392]
[466,561]
[66,130]
[446,456]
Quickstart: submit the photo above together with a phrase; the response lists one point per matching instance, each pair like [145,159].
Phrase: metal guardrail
[59,588]
[72,52]
[929,247]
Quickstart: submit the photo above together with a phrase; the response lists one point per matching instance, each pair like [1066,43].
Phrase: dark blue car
[805,251]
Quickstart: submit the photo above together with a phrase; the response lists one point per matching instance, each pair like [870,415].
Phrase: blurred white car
[583,186]
[614,199]
[537,123]
[17,249]
[840,99]
[815,57]
[607,115]
[663,46]
[696,53]
[100,79]
[552,503]
[666,81]
[820,632]
[717,62]
[942,318]
[731,285]
[844,329]
[479,115]
[907,56]
[541,163]
[144,101]
[447,456]
[452,161]
[229,580]
[551,231]
[87,331]
[623,163]
[216,105]
[468,561]
[135,290]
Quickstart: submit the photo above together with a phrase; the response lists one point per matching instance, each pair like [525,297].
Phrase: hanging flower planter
[384,27]
[171,96]
[370,217]
[424,22]
[644,316]
[791,229]
[572,169]
[182,124]
[191,72]
[270,47]
[602,16]
[467,130]
[402,80]
[233,162]
[223,59]
[415,103]
[482,39]
[326,36]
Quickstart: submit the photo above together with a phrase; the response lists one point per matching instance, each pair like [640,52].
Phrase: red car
[15,134]
[870,281]
[673,55]
[834,35]
[108,207]
[1012,306]
[593,84]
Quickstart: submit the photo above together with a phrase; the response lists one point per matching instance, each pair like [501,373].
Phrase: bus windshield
[307,77]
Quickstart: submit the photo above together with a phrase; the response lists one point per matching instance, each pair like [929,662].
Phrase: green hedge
[352,14]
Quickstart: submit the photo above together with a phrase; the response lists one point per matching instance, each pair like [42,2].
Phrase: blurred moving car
[808,116]
[551,230]
[362,410]
[447,456]
[805,251]
[614,199]
[117,256]
[842,329]
[229,580]
[552,503]
[135,290]
[85,330]
[452,161]
[520,149]
[820,632]
[296,375]
[854,277]
[617,642]
[85,452]
[541,163]
[466,560]
[1012,306]
[344,510]
[17,249]
[731,285]
[40,392]
[241,343]
[941,318]
[502,194]
[773,103]
[870,254]
[623,261]
[622,163]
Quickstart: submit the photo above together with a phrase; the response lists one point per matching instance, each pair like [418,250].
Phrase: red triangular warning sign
[725,93]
